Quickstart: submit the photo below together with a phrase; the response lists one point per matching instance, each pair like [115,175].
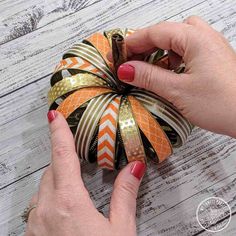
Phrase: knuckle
[146,78]
[54,130]
[127,188]
[173,96]
[162,23]
[66,202]
[61,151]
[180,84]
[192,19]
[177,89]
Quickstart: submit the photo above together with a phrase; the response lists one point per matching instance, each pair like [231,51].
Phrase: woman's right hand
[206,92]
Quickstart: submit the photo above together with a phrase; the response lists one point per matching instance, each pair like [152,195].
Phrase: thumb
[151,77]
[123,200]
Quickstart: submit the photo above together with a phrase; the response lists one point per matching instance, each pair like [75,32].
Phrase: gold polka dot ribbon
[70,84]
[130,133]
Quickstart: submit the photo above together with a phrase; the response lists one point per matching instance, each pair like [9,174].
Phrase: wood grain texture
[50,41]
[19,17]
[167,194]
[34,35]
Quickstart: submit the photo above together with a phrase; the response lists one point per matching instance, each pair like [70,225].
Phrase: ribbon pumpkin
[113,123]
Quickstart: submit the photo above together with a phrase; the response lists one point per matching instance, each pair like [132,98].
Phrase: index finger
[164,35]
[65,162]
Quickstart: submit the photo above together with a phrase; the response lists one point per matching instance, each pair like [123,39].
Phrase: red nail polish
[138,169]
[126,72]
[109,56]
[51,115]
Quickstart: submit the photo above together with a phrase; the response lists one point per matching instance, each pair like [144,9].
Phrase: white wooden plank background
[33,36]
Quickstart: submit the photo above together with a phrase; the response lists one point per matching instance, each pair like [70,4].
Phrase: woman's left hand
[63,205]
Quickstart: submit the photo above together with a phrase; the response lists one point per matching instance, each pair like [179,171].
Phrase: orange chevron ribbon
[76,63]
[151,129]
[107,135]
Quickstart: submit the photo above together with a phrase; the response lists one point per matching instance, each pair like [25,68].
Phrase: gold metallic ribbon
[88,123]
[72,83]
[151,129]
[73,66]
[130,133]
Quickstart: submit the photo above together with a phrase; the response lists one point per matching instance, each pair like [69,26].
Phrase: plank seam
[8,93]
[17,180]
[51,22]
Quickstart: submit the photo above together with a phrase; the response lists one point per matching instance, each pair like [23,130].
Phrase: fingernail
[109,56]
[138,169]
[51,115]
[126,72]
